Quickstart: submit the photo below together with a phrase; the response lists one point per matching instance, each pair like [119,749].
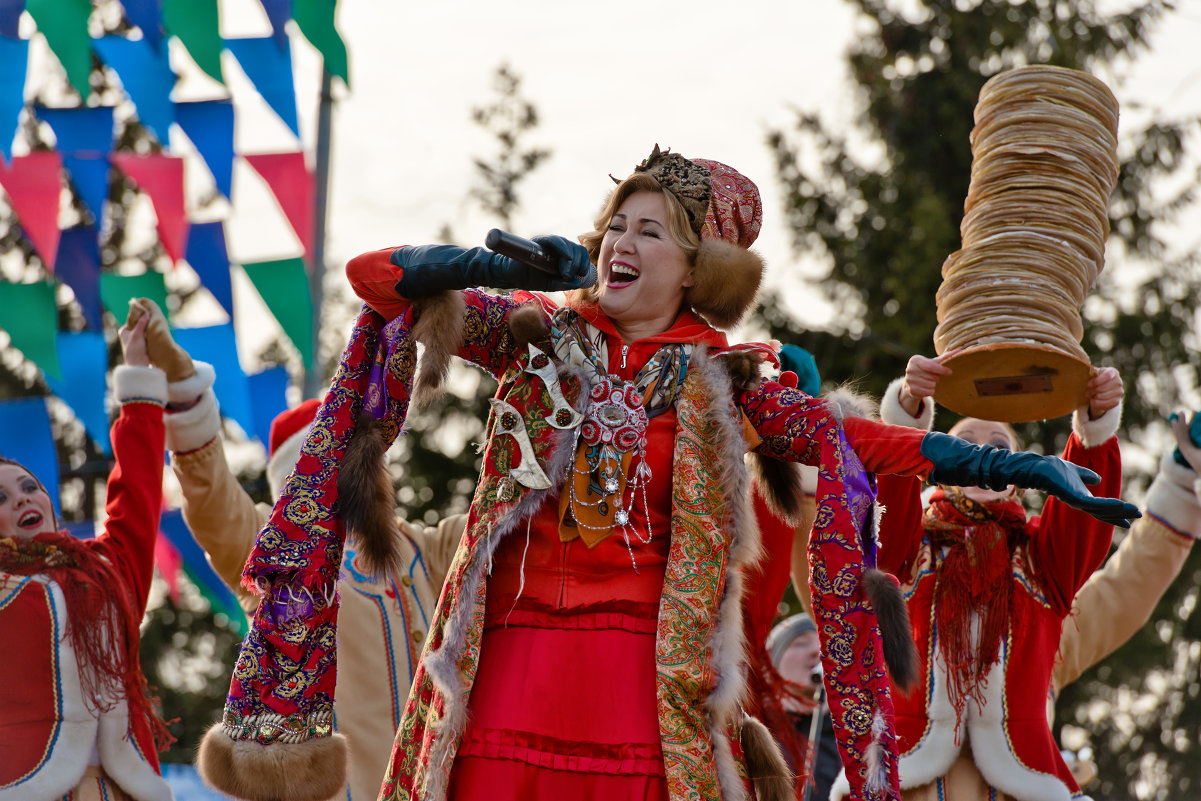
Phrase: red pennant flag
[169,563]
[292,184]
[161,177]
[33,186]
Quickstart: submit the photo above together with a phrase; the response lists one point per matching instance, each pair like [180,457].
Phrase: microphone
[522,250]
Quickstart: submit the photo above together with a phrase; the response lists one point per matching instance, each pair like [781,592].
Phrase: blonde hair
[1013,433]
[677,224]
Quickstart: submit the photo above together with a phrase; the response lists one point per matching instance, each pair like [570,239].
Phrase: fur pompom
[528,324]
[366,500]
[314,770]
[438,326]
[781,486]
[725,282]
[900,652]
[846,401]
[765,763]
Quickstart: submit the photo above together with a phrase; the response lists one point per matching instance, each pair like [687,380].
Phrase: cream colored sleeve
[1118,599]
[438,545]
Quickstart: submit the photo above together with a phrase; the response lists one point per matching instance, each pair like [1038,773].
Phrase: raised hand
[1188,440]
[428,269]
[133,337]
[1104,392]
[922,375]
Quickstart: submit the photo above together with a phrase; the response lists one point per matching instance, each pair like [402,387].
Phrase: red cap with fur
[283,446]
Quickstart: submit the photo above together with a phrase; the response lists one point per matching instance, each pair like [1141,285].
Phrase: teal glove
[1194,435]
[428,269]
[800,361]
[962,464]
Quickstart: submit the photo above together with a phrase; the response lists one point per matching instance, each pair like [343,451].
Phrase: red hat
[287,435]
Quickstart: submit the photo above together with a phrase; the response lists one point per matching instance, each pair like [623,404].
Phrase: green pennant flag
[29,315]
[64,23]
[316,21]
[284,286]
[195,22]
[117,290]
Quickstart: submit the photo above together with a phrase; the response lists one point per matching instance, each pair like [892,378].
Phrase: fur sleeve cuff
[1173,497]
[1095,432]
[194,427]
[139,384]
[891,410]
[191,388]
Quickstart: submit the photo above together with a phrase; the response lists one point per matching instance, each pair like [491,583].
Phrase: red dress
[564,702]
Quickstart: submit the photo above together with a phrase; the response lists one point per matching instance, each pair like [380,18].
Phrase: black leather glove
[433,268]
[962,464]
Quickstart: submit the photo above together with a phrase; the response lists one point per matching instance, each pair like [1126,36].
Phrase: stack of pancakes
[1044,161]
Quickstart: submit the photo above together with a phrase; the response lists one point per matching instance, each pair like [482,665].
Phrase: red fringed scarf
[973,584]
[101,623]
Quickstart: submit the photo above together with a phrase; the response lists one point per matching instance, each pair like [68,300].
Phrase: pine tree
[884,223]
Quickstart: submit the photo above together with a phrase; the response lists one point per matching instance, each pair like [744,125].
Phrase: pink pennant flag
[33,186]
[292,184]
[161,177]
[168,562]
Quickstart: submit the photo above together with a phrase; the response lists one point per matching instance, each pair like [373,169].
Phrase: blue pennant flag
[268,65]
[83,356]
[217,345]
[208,257]
[85,138]
[14,55]
[147,15]
[147,78]
[25,437]
[10,17]
[210,126]
[200,570]
[278,12]
[269,397]
[78,266]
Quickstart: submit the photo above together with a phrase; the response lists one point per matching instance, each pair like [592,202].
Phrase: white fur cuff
[139,384]
[1096,432]
[195,427]
[891,410]
[1173,497]
[193,386]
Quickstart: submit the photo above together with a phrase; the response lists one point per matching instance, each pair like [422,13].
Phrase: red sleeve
[1067,545]
[135,496]
[887,449]
[900,497]
[373,278]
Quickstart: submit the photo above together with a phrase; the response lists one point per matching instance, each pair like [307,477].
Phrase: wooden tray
[1014,383]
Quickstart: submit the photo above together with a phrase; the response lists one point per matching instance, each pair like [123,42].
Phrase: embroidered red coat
[1011,741]
[47,733]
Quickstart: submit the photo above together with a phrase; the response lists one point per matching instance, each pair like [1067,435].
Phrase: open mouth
[31,519]
[621,274]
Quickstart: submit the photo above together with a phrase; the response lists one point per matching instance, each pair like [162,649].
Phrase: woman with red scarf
[77,719]
[988,591]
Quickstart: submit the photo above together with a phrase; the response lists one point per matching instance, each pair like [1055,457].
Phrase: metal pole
[313,382]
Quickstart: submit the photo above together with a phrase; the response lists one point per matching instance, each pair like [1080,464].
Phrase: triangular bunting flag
[117,290]
[33,186]
[200,571]
[14,56]
[25,437]
[268,397]
[85,138]
[78,266]
[284,286]
[168,564]
[29,316]
[160,177]
[269,68]
[147,78]
[147,15]
[195,22]
[210,126]
[278,12]
[292,184]
[83,357]
[316,21]
[208,256]
[64,23]
[217,345]
[10,18]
